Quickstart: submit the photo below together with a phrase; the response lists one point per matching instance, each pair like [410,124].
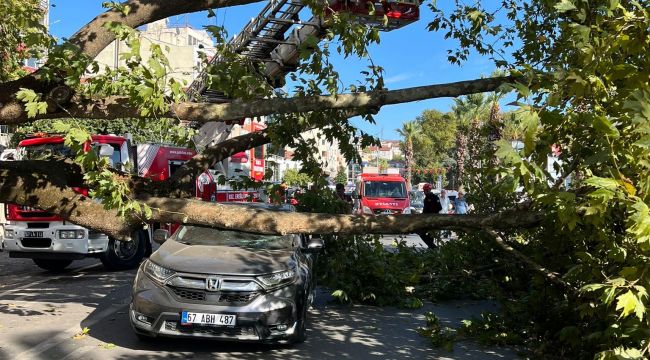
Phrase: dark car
[223,284]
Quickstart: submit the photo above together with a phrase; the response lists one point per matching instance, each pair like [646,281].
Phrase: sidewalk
[367,332]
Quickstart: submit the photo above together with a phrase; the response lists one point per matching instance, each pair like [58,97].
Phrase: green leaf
[61,127]
[27,95]
[35,108]
[604,183]
[565,5]
[626,302]
[603,125]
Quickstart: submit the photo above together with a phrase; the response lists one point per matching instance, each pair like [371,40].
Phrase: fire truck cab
[381,194]
[54,243]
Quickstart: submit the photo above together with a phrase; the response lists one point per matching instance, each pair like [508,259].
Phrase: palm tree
[409,131]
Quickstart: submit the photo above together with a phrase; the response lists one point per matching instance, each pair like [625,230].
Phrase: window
[390,189]
[259,153]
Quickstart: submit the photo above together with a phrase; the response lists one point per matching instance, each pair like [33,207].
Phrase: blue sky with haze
[411,56]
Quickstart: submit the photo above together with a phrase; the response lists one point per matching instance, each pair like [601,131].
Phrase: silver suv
[232,285]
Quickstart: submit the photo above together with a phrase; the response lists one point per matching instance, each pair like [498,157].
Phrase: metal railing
[257,39]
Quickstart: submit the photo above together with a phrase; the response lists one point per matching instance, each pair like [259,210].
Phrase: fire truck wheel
[124,255]
[52,264]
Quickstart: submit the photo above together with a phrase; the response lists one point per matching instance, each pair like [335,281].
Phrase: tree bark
[118,107]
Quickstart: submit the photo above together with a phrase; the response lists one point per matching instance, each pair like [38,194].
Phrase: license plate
[189,318]
[33,234]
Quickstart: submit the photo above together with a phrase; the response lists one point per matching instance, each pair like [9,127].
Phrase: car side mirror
[314,245]
[160,236]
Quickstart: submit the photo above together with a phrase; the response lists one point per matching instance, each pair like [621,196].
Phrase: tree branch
[119,107]
[549,275]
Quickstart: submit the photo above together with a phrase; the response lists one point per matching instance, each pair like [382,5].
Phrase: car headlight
[72,234]
[407,210]
[157,272]
[366,210]
[9,234]
[278,278]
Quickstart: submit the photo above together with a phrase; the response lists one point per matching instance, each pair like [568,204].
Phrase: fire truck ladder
[256,41]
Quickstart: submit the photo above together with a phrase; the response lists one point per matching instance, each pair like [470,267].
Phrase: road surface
[42,316]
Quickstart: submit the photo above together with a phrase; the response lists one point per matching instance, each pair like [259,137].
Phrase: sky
[411,56]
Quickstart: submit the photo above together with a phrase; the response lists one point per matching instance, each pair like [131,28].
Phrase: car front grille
[188,294]
[233,298]
[236,297]
[36,242]
[237,331]
[384,212]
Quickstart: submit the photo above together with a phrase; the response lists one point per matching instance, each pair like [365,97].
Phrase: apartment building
[181,43]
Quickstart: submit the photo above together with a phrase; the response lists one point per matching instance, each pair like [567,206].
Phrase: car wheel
[125,255]
[301,326]
[52,264]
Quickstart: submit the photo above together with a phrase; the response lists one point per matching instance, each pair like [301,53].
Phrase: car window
[393,189]
[195,235]
[45,151]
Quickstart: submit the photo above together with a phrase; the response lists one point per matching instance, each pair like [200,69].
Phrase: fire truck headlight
[9,234]
[406,210]
[71,234]
[366,210]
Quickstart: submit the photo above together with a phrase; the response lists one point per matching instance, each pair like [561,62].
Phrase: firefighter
[431,206]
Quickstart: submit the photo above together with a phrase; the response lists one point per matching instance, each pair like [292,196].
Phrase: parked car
[417,201]
[222,284]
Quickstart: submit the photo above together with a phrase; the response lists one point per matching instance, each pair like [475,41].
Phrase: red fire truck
[249,163]
[54,243]
[399,13]
[381,194]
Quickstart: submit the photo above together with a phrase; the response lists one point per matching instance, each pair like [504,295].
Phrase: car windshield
[390,189]
[45,151]
[195,235]
[416,197]
[55,151]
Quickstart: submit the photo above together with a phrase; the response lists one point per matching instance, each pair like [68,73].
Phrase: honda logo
[212,283]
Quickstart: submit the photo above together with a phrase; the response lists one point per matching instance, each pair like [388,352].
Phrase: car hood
[203,259]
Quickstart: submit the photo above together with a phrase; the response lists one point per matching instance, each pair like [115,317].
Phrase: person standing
[444,202]
[340,193]
[431,206]
[460,204]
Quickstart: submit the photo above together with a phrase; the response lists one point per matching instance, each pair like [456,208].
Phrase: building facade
[181,44]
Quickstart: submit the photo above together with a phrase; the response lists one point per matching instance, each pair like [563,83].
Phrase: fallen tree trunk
[50,192]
